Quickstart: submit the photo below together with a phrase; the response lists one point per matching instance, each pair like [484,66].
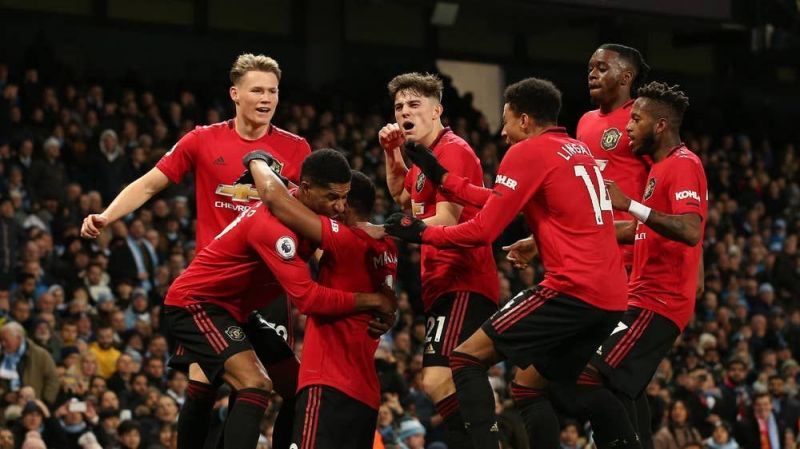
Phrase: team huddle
[616,217]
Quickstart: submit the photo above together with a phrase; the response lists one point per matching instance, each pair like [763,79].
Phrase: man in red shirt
[339,392]
[551,330]
[667,236]
[249,264]
[459,285]
[615,73]
[214,153]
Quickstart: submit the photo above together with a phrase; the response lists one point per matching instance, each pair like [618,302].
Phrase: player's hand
[261,155]
[380,324]
[391,136]
[618,199]
[405,227]
[423,157]
[375,231]
[521,252]
[92,225]
[389,305]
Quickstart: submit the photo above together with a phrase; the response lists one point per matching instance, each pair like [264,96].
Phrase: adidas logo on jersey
[219,161]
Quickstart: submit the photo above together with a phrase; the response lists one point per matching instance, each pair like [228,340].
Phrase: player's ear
[661,125]
[234,93]
[438,110]
[627,78]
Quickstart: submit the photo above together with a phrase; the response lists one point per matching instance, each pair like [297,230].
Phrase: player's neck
[666,146]
[615,103]
[431,137]
[248,130]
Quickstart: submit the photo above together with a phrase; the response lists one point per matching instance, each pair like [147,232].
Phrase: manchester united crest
[610,139]
[235,333]
[420,182]
[651,186]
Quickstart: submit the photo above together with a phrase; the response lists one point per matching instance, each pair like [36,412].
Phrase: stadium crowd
[84,353]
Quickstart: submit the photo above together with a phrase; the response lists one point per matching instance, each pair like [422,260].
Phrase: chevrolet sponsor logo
[242,193]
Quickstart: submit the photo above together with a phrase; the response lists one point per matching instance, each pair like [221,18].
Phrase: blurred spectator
[761,428]
[26,363]
[678,431]
[129,435]
[37,419]
[411,434]
[570,437]
[722,437]
[103,348]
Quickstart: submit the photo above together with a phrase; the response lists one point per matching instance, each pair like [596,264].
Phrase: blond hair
[249,62]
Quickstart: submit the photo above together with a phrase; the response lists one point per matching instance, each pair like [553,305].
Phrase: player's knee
[257,382]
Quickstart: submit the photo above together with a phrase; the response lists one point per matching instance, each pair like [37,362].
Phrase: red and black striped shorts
[555,333]
[632,352]
[205,334]
[453,318]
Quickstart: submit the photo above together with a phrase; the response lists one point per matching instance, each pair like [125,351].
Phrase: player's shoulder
[588,117]
[282,134]
[685,157]
[452,143]
[214,128]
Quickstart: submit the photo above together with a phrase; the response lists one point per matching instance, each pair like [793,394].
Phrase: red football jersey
[556,183]
[338,352]
[664,276]
[451,269]
[251,262]
[606,137]
[215,154]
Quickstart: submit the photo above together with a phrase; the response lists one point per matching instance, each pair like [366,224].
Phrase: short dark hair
[536,97]
[362,193]
[671,98]
[732,362]
[425,84]
[128,426]
[324,167]
[633,57]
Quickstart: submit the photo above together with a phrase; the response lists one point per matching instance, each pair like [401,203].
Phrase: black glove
[405,227]
[246,178]
[262,155]
[423,157]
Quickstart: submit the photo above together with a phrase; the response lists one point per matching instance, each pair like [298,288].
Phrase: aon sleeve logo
[506,181]
[687,194]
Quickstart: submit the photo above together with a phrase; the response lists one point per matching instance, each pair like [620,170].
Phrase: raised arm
[391,138]
[288,209]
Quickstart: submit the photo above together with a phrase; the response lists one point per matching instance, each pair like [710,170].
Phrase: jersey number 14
[599,195]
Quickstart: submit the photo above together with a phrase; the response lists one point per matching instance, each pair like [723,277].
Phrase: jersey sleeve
[302,149]
[181,158]
[278,247]
[458,189]
[516,183]
[460,162]
[686,188]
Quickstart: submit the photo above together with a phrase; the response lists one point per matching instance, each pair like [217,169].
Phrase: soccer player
[459,285]
[251,262]
[339,392]
[615,74]
[214,153]
[551,330]
[667,236]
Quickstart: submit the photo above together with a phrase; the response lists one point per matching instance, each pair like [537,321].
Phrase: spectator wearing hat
[39,420]
[411,434]
[26,363]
